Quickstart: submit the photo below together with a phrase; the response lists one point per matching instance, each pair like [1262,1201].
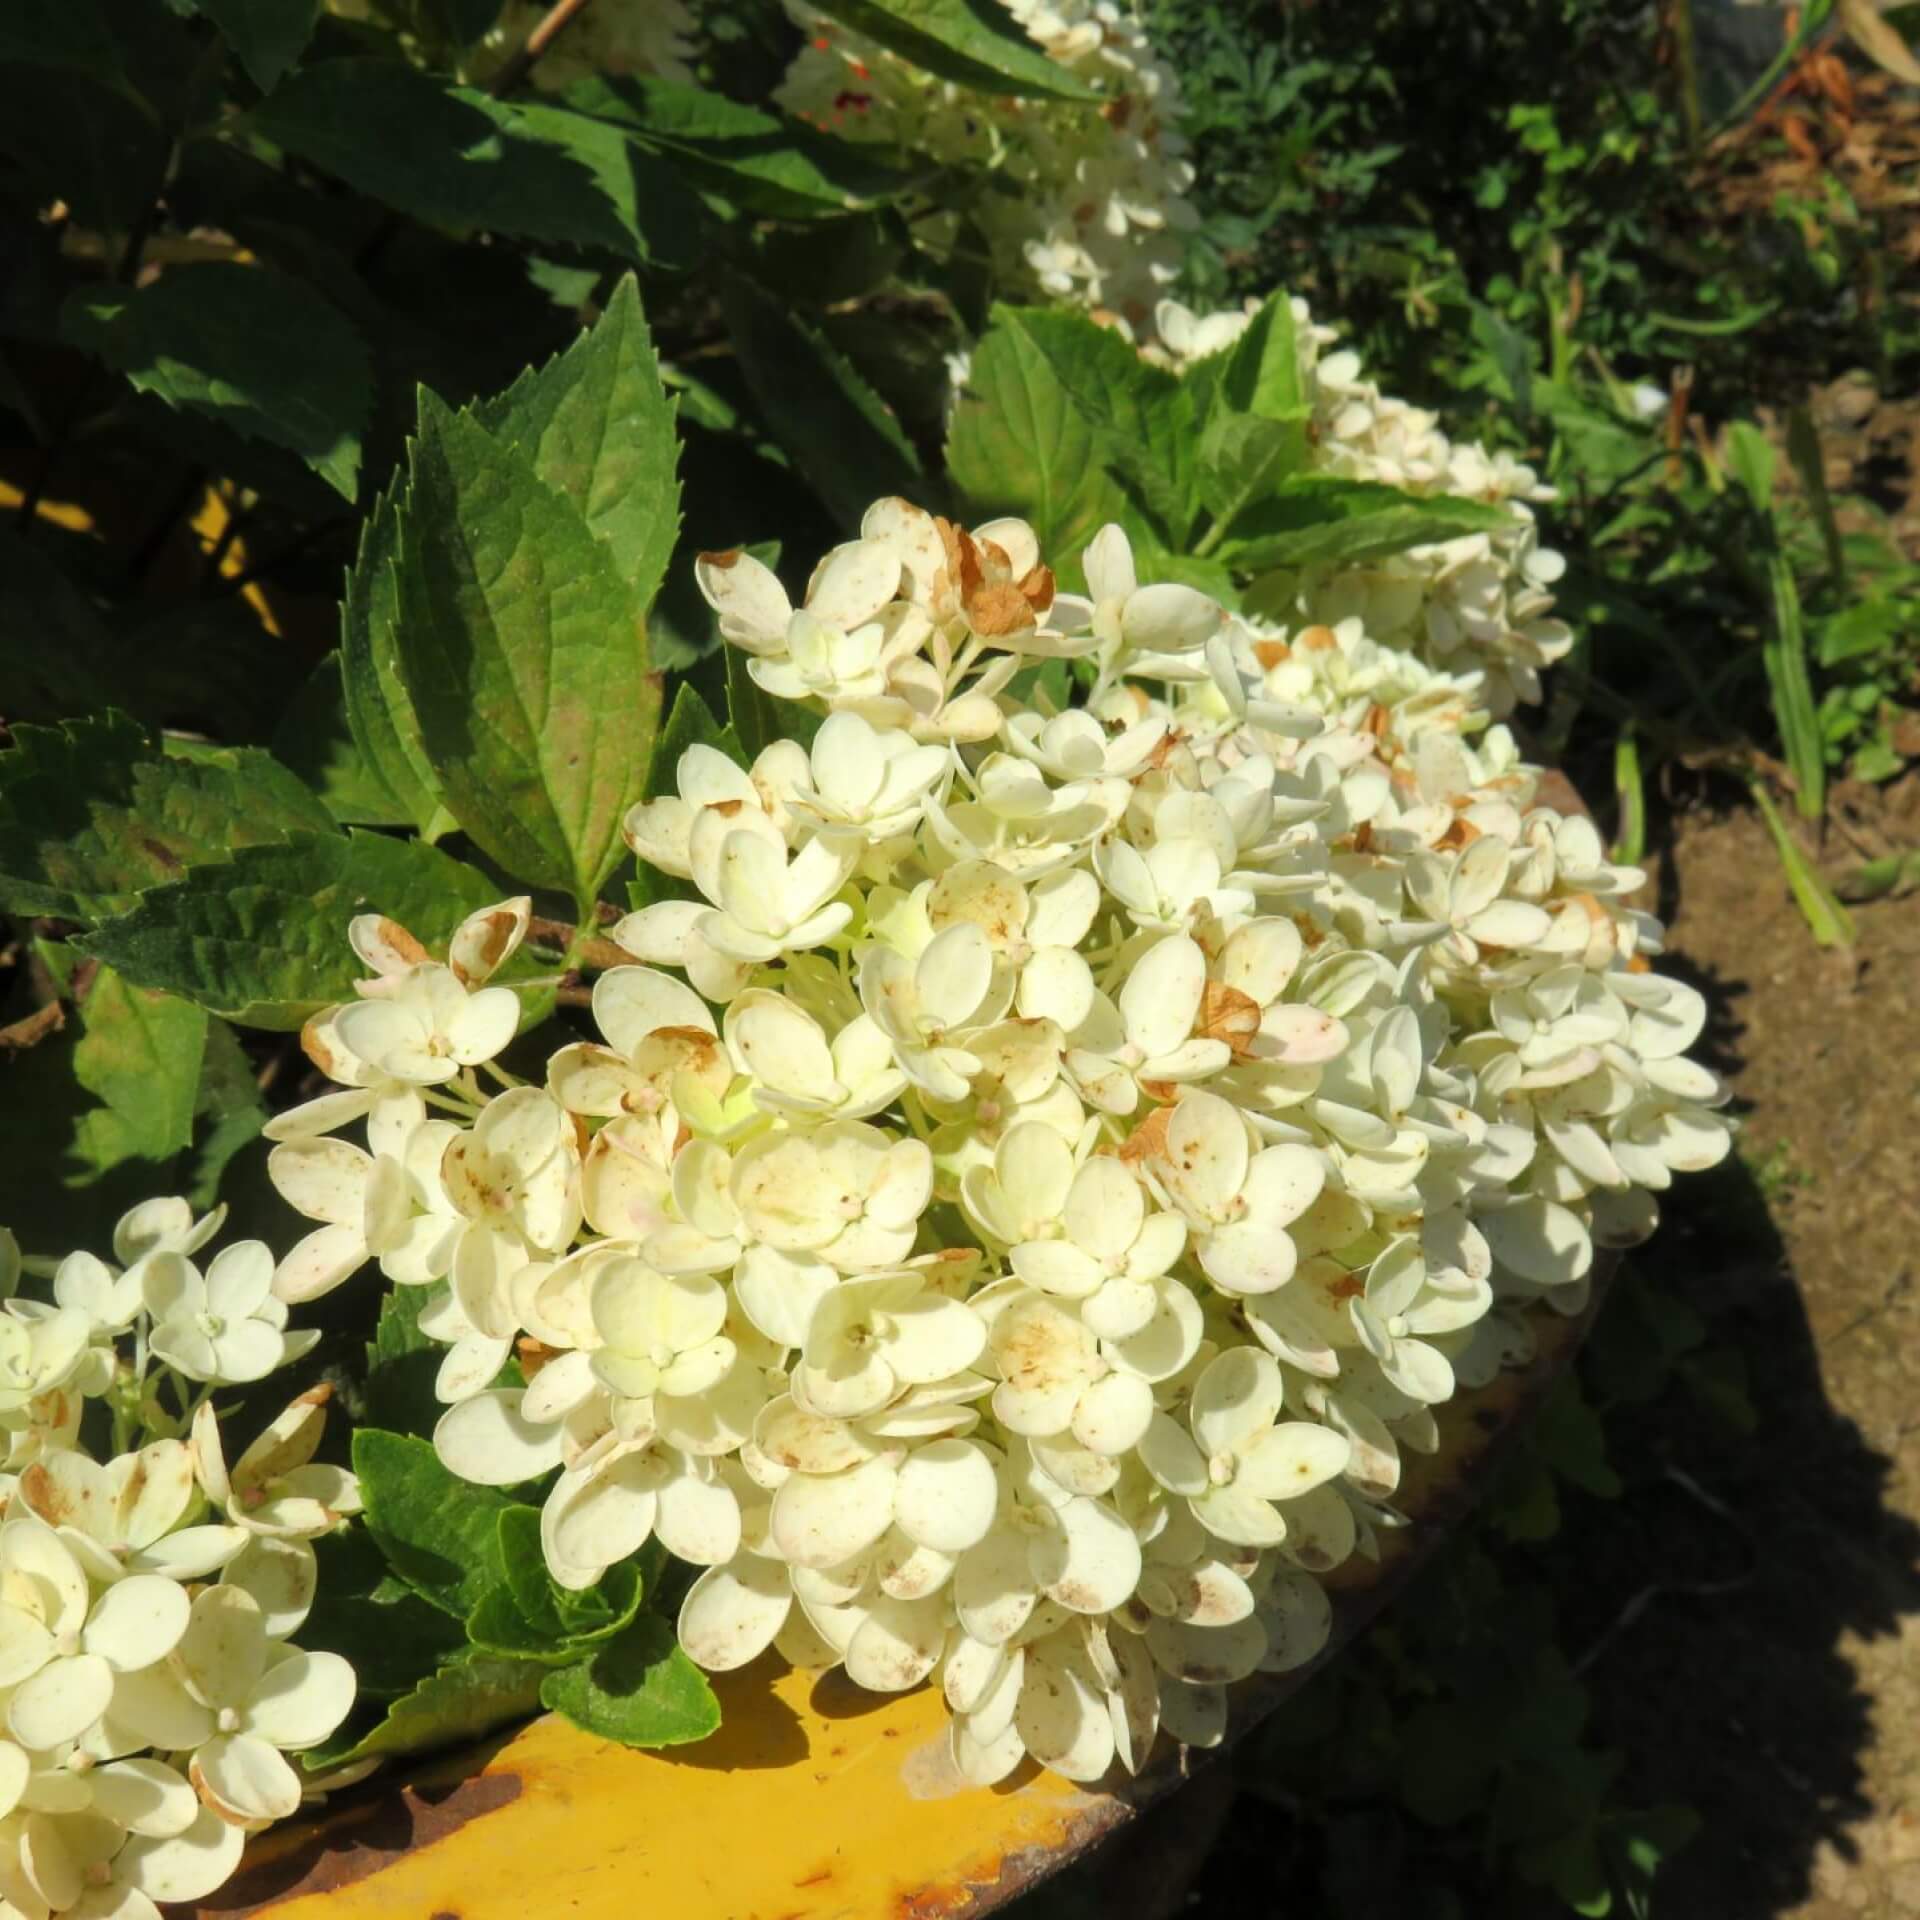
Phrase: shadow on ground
[1717,1612]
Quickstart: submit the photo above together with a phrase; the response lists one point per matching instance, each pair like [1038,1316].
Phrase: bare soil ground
[1788,1709]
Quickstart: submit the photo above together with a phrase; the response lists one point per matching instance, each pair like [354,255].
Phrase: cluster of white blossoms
[1045,1163]
[1482,601]
[1080,202]
[149,1589]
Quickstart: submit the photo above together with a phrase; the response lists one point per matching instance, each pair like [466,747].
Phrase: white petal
[300,1700]
[1063,1723]
[243,1778]
[732,1613]
[1088,1560]
[897,1645]
[1207,1656]
[61,1701]
[137,1621]
[144,1796]
[946,1495]
[1235,1400]
[823,1520]
[187,1866]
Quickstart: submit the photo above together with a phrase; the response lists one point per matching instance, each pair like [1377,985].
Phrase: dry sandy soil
[1802,1686]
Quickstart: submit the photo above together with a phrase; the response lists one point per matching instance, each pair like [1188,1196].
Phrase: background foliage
[248,351]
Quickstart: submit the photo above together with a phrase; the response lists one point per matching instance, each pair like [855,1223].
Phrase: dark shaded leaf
[256,350]
[263,940]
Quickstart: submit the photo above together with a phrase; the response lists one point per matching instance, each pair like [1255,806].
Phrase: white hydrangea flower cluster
[1085,203]
[150,1688]
[1046,1162]
[1480,601]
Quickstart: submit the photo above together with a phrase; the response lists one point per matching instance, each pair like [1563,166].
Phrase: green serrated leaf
[526,659]
[440,1533]
[977,43]
[836,430]
[1017,444]
[1141,416]
[402,1365]
[394,1639]
[465,1698]
[380,712]
[764,163]
[1319,520]
[599,428]
[639,1689]
[1243,460]
[268,35]
[263,939]
[92,814]
[455,158]
[581,1616]
[496,1625]
[139,1054]
[258,352]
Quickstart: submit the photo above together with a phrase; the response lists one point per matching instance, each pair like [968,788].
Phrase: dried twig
[557,19]
[34,1028]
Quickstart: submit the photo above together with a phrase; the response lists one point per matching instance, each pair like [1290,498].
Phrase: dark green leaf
[259,352]
[975,42]
[690,724]
[380,712]
[78,138]
[56,656]
[599,428]
[91,814]
[467,1697]
[639,1689]
[229,1111]
[440,1533]
[361,1611]
[263,940]
[755,719]
[315,741]
[268,35]
[496,1625]
[836,430]
[580,1616]
[453,157]
[763,162]
[402,1366]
